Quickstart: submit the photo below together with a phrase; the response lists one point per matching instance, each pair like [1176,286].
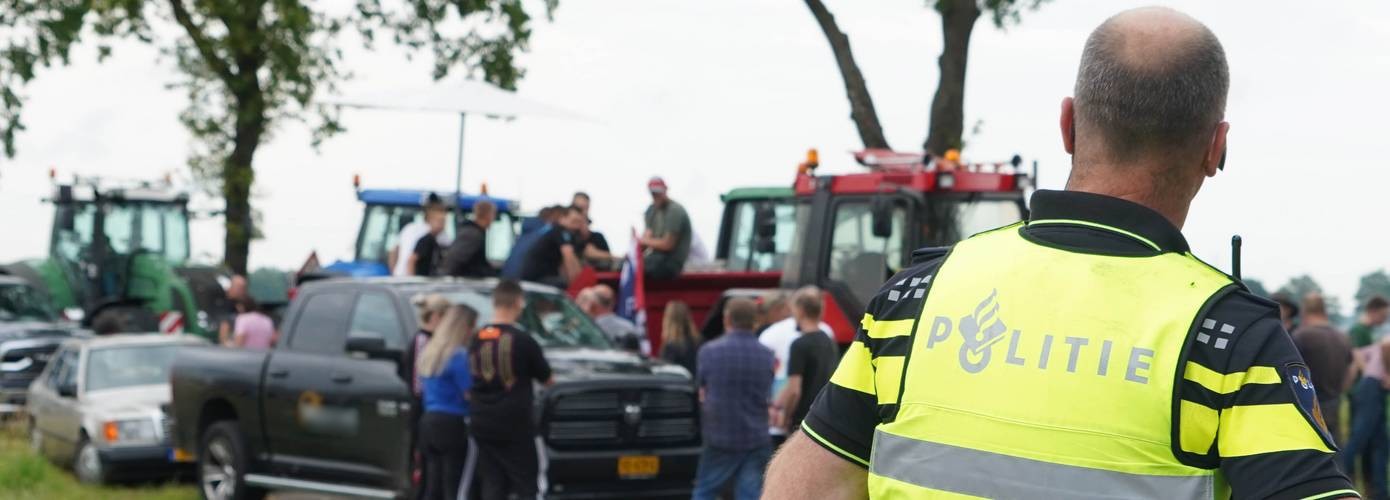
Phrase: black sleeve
[426,251]
[598,241]
[426,243]
[796,362]
[1249,406]
[848,409]
[540,366]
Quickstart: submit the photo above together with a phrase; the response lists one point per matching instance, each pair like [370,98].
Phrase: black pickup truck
[329,409]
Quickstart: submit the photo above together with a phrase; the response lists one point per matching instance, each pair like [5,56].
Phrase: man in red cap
[667,238]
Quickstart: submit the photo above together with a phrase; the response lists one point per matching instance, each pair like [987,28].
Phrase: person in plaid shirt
[735,378]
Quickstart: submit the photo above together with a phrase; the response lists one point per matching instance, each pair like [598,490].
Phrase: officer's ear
[1068,126]
[1215,157]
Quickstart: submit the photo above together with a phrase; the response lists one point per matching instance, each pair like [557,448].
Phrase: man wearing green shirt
[667,238]
[1373,314]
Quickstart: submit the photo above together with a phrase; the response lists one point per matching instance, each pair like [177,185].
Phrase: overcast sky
[718,94]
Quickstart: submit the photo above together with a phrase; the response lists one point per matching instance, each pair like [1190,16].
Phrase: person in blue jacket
[443,369]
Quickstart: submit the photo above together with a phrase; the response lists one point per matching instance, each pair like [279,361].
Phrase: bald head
[1152,81]
[1150,100]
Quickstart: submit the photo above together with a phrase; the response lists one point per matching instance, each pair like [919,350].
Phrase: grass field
[25,476]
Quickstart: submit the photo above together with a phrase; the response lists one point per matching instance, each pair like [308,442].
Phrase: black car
[30,331]
[329,410]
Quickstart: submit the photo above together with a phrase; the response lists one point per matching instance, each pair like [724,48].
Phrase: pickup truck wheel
[222,464]
[88,465]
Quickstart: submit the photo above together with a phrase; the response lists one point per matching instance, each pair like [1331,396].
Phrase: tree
[947,121]
[249,65]
[1299,286]
[1256,287]
[861,104]
[1373,284]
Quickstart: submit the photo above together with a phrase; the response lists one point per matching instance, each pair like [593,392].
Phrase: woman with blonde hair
[680,340]
[430,309]
[443,369]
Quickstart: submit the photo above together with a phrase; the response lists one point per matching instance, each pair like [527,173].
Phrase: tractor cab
[755,234]
[854,231]
[386,211]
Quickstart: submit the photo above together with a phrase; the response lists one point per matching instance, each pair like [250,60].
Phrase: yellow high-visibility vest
[1036,372]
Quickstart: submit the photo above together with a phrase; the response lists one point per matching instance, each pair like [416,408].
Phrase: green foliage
[26,476]
[1298,286]
[1372,284]
[1256,287]
[22,473]
[247,66]
[1002,12]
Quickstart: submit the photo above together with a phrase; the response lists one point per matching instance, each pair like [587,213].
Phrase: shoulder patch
[1300,380]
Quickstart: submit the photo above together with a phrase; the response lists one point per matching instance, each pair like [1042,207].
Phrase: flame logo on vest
[981,330]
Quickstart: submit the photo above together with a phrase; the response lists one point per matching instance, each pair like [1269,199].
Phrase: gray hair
[1150,101]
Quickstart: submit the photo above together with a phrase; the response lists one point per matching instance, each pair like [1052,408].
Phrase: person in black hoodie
[505,360]
[466,257]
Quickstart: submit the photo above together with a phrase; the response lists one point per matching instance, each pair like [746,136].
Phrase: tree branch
[861,105]
[200,41]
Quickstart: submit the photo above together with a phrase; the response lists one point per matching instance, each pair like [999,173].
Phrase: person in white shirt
[410,234]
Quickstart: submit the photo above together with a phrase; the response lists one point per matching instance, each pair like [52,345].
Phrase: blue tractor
[388,210]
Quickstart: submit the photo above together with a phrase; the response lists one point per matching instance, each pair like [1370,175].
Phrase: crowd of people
[756,381]
[466,378]
[553,247]
[1350,366]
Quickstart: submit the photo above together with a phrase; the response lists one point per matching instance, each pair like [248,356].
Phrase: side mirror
[765,220]
[765,228]
[882,214]
[67,390]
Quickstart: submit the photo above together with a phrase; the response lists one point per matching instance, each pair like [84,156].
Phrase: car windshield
[22,302]
[742,253]
[552,319]
[128,227]
[129,366]
[382,226]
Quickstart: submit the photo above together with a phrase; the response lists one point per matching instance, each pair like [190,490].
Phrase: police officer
[1084,353]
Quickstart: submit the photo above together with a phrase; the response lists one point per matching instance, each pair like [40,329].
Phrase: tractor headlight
[129,431]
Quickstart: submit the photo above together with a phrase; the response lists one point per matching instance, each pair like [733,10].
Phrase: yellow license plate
[638,466]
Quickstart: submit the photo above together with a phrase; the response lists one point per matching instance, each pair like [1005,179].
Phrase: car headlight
[126,431]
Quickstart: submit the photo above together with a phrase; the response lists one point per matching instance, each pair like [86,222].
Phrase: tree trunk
[243,30]
[238,175]
[861,106]
[948,107]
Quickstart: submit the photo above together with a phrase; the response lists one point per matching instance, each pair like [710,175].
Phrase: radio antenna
[1235,256]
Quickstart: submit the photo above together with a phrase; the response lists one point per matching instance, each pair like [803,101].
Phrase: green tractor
[118,255]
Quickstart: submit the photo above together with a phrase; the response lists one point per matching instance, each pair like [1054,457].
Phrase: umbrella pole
[458,177]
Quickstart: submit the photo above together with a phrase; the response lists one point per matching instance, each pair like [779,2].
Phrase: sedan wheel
[219,473]
[88,465]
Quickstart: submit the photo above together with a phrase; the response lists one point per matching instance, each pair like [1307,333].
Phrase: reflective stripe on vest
[1036,372]
[992,475]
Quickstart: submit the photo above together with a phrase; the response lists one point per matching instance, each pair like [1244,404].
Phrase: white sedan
[99,406]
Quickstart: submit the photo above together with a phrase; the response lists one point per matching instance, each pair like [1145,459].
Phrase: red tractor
[850,233]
